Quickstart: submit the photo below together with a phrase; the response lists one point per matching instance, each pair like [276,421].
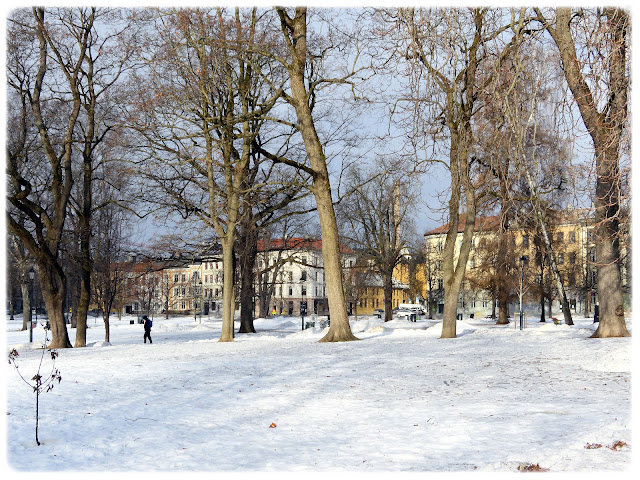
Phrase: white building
[290,277]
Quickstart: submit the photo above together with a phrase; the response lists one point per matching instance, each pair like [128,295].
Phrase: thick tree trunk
[606,129]
[453,270]
[53,287]
[247,248]
[610,298]
[339,329]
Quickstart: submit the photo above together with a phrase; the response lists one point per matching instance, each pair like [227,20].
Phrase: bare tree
[35,58]
[301,60]
[593,48]
[199,131]
[376,216]
[452,57]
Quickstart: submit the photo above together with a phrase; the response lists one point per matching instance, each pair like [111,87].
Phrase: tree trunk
[26,303]
[248,249]
[228,289]
[387,281]
[339,329]
[610,298]
[53,287]
[454,270]
[606,129]
[105,318]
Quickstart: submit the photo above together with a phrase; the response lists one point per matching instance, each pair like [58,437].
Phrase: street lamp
[32,275]
[201,299]
[523,261]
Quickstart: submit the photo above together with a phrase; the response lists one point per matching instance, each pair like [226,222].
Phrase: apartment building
[573,242]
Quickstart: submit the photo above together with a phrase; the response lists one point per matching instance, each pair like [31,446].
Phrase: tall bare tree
[198,117]
[452,56]
[300,60]
[593,46]
[38,68]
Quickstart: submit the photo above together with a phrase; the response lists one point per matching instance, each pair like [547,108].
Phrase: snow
[401,399]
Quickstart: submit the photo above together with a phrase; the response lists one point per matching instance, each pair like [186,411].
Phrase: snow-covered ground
[494,399]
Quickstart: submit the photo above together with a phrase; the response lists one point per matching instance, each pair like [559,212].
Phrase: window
[304,290]
[183,305]
[440,284]
[525,240]
[175,277]
[291,276]
[291,291]
[572,236]
[572,279]
[560,237]
[184,277]
[560,258]
[572,258]
[303,276]
[304,260]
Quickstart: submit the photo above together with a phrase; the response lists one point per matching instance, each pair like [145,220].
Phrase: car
[379,312]
[404,312]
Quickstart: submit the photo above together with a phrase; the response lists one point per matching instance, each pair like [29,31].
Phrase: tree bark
[605,128]
[295,31]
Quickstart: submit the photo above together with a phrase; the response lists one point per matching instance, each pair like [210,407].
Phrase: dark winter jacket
[147,325]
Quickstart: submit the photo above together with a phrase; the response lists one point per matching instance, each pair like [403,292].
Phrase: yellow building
[571,236]
[371,295]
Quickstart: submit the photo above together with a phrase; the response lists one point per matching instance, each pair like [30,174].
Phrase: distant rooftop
[296,243]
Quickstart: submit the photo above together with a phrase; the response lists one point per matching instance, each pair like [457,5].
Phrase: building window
[175,277]
[560,237]
[304,290]
[184,277]
[572,236]
[303,276]
[572,258]
[440,284]
[525,240]
[291,291]
[560,258]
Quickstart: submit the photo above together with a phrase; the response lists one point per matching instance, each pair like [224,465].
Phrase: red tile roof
[296,243]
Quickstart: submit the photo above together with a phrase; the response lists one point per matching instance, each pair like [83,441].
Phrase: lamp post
[523,260]
[201,299]
[32,274]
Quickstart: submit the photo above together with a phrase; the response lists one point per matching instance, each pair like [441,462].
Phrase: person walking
[147,329]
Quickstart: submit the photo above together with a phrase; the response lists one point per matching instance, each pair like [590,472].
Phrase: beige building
[572,240]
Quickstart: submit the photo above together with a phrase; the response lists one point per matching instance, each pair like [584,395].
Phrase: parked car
[379,312]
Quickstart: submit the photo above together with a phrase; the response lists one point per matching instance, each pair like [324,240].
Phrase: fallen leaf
[273,425]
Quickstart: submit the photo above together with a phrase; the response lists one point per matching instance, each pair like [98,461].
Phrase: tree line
[233,120]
